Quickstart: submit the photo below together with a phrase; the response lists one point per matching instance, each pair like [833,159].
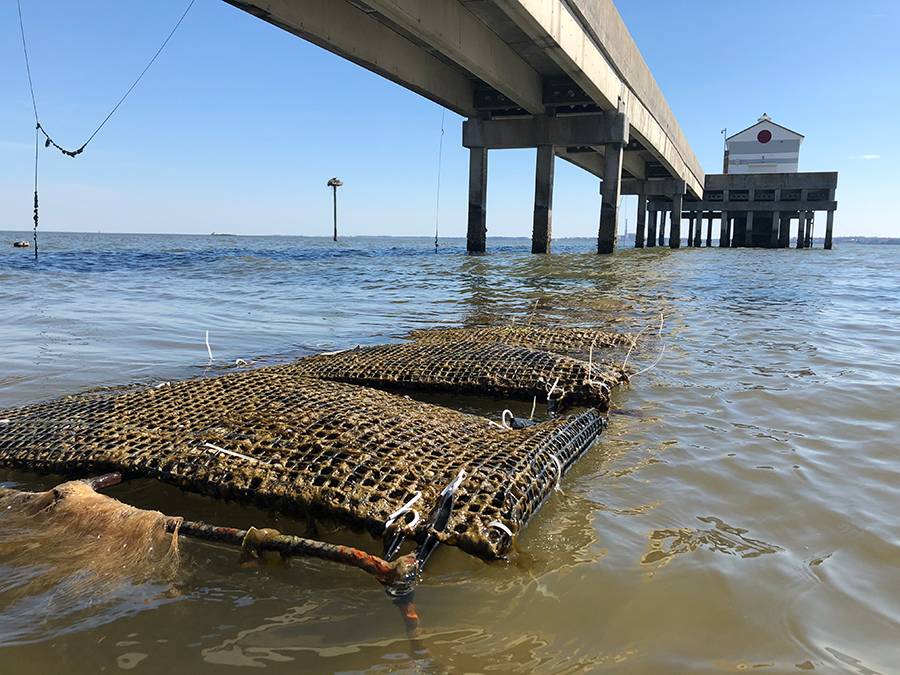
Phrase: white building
[765,147]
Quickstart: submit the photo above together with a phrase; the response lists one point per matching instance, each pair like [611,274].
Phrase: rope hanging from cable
[48,141]
[437,215]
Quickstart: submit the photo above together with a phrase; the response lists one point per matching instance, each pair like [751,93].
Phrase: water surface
[746,518]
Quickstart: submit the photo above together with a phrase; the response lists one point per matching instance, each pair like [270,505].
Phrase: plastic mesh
[567,340]
[306,447]
[499,370]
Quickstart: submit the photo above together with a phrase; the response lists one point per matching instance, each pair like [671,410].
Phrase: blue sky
[238,125]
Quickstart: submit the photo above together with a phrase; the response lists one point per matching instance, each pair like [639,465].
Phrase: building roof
[765,119]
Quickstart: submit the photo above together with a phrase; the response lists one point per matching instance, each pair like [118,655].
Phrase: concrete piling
[543,200]
[476,236]
[610,191]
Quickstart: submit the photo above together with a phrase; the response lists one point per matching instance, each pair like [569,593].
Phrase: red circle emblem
[764,136]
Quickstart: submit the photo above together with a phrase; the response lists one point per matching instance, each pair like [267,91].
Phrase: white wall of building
[765,147]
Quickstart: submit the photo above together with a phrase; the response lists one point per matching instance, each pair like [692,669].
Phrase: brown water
[742,517]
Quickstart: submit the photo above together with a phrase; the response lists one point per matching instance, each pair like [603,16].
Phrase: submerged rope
[40,130]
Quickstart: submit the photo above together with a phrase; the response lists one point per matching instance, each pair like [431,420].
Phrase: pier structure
[755,200]
[752,210]
[561,76]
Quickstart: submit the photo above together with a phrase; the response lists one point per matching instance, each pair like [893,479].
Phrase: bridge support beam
[784,231]
[675,228]
[651,227]
[641,221]
[476,235]
[546,133]
[531,132]
[610,191]
[829,230]
[776,230]
[543,200]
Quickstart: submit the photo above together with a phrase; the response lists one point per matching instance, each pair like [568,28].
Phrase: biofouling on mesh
[308,448]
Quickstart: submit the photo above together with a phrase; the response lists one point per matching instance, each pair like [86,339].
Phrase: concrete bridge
[562,76]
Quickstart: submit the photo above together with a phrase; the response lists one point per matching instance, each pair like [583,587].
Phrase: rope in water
[387,573]
[40,129]
[398,576]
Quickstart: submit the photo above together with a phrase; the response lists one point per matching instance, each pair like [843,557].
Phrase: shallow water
[744,517]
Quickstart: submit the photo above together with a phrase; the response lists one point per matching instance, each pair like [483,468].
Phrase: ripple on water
[747,519]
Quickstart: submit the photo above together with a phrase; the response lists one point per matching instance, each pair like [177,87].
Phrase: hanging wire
[437,215]
[37,122]
[49,141]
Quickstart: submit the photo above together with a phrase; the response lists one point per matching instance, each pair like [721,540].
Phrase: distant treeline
[867,240]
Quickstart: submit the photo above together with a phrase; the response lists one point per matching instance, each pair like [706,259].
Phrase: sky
[238,125]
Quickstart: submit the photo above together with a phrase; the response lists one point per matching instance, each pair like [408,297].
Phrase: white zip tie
[503,419]
[559,472]
[403,509]
[210,446]
[501,526]
[339,351]
[552,389]
[591,364]
[455,484]
[208,348]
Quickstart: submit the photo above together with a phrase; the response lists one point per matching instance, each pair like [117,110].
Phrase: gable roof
[763,121]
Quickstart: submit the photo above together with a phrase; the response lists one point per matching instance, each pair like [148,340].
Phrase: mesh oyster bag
[307,448]
[566,340]
[487,369]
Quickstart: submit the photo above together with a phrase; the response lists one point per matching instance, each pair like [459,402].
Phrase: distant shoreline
[623,239]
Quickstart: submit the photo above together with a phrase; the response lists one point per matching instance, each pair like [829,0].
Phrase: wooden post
[610,192]
[675,227]
[543,200]
[334,184]
[476,234]
[335,212]
[641,221]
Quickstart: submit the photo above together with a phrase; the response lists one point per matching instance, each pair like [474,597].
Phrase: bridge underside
[562,76]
